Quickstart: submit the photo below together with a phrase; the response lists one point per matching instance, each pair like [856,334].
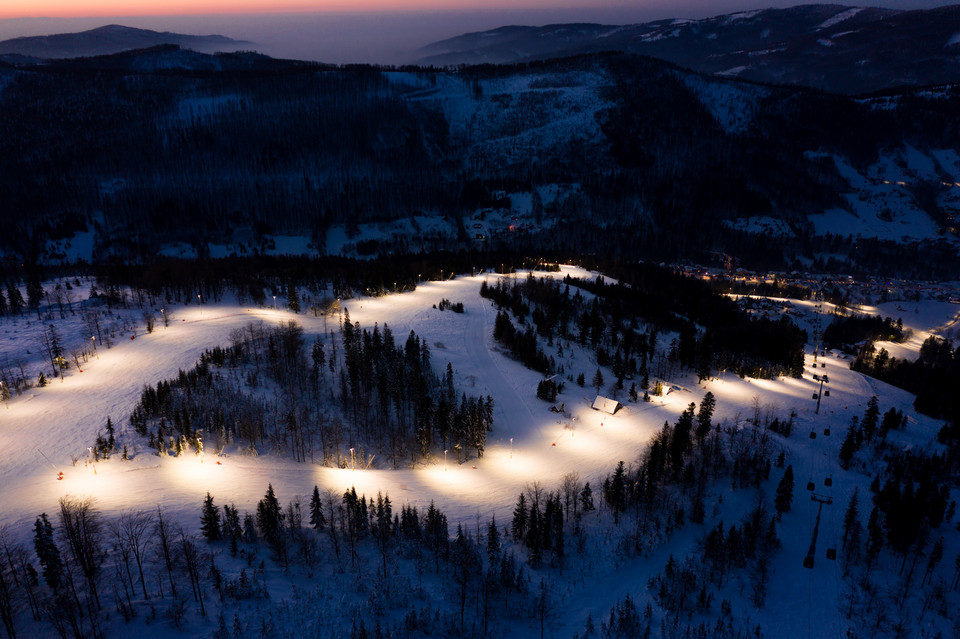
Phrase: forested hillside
[613,153]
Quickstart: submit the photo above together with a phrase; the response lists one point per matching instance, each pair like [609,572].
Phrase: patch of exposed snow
[949,161]
[838,18]
[71,249]
[732,105]
[660,35]
[954,40]
[825,43]
[754,54]
[735,71]
[883,103]
[920,164]
[742,15]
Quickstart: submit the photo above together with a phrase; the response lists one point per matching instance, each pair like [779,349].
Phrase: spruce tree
[707,406]
[848,448]
[47,552]
[784,498]
[493,543]
[210,520]
[871,418]
[598,380]
[270,517]
[586,498]
[851,518]
[317,518]
[518,527]
[293,300]
[15,299]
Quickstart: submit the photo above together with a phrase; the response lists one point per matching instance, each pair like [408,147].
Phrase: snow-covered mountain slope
[48,430]
[831,47]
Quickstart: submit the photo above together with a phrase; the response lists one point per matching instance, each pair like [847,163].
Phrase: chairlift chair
[813,434]
[828,481]
[808,562]
[826,431]
[811,485]
[832,554]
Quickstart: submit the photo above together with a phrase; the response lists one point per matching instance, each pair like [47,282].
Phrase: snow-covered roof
[606,404]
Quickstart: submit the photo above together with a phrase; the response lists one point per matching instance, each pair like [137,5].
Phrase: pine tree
[784,497]
[705,414]
[111,439]
[493,543]
[534,538]
[586,498]
[270,517]
[41,380]
[614,491]
[293,300]
[871,418]
[210,520]
[15,298]
[317,519]
[47,552]
[518,527]
[597,380]
[848,448]
[34,291]
[874,536]
[851,518]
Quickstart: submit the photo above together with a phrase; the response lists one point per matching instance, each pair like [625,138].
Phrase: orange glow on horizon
[139,8]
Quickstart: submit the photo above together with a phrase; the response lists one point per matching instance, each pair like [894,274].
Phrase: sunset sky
[110,8]
[364,31]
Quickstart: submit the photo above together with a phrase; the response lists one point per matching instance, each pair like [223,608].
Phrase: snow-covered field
[43,431]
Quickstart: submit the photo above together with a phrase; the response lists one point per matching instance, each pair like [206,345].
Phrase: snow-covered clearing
[838,18]
[528,443]
[733,106]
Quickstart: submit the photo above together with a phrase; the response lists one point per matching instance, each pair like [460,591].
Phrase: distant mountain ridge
[837,48]
[111,39]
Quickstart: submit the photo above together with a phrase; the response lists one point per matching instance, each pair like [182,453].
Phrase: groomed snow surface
[44,429]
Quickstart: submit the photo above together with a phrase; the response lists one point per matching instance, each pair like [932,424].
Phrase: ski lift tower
[823,380]
[821,500]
